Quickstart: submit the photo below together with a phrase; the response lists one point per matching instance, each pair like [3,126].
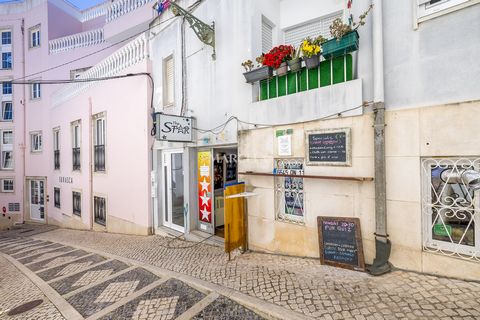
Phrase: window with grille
[7,185]
[36,142]
[450,206]
[14,207]
[6,87]
[168,82]
[99,144]
[312,29]
[77,203]
[56,149]
[289,193]
[6,37]
[76,145]
[6,60]
[7,111]
[6,149]
[267,35]
[56,197]
[100,210]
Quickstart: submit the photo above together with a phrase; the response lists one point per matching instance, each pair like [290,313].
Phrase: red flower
[278,55]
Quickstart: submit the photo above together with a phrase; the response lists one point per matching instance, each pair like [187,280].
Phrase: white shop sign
[174,128]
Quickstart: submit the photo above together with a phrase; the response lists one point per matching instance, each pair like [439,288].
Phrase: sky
[81,4]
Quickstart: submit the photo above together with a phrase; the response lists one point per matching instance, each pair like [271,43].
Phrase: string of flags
[350,17]
[162,6]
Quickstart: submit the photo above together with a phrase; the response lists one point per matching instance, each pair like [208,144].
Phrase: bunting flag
[162,6]
[349,4]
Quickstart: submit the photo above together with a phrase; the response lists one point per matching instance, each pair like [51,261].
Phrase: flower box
[335,48]
[258,74]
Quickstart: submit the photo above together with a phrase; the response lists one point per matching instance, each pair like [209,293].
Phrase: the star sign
[205,199]
[205,214]
[204,185]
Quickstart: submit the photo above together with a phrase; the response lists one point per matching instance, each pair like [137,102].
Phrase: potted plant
[259,73]
[345,37]
[311,50]
[295,63]
[277,58]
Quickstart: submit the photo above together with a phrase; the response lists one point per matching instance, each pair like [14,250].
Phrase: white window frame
[2,115]
[36,91]
[11,61]
[76,134]
[424,11]
[444,247]
[56,139]
[1,37]
[36,143]
[2,185]
[100,124]
[35,42]
[6,148]
[11,87]
[169,81]
[73,204]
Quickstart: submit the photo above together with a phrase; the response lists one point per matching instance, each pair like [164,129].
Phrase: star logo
[204,199]
[205,214]
[205,185]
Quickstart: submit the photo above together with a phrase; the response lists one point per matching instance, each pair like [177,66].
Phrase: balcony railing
[134,52]
[76,158]
[99,209]
[78,40]
[56,159]
[99,158]
[122,7]
[332,71]
[94,12]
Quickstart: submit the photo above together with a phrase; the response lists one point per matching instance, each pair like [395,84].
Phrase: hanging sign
[204,186]
[173,128]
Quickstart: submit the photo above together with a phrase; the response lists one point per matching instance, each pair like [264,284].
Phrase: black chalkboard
[331,147]
[340,242]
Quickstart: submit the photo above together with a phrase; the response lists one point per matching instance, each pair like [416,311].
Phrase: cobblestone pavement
[73,283]
[301,285]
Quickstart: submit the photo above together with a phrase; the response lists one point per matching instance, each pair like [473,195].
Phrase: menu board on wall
[340,241]
[329,147]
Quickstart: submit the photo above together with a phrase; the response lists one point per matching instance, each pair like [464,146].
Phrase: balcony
[56,159]
[76,158]
[79,40]
[94,12]
[122,7]
[99,158]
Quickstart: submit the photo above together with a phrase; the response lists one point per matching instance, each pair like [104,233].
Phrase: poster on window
[205,186]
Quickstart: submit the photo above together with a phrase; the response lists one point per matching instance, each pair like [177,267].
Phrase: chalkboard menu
[340,241]
[329,147]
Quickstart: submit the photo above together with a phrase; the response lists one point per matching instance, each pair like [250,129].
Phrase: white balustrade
[134,52]
[78,40]
[95,12]
[121,7]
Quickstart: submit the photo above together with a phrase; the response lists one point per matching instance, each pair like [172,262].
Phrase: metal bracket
[204,32]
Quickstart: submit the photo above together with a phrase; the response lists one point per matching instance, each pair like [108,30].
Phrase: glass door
[37,200]
[173,193]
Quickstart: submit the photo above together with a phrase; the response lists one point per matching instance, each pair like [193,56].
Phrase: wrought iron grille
[99,209]
[99,157]
[450,206]
[56,159]
[76,158]
[56,197]
[77,203]
[289,193]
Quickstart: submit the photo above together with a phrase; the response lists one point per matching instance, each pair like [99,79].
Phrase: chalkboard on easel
[340,241]
[329,147]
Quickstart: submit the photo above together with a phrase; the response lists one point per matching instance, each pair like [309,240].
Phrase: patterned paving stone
[37,250]
[44,255]
[73,267]
[58,260]
[165,302]
[87,277]
[16,242]
[26,246]
[99,297]
[226,309]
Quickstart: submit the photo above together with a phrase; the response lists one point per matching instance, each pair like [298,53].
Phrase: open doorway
[224,173]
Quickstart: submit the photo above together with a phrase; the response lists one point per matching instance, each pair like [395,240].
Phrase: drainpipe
[24,147]
[90,160]
[382,244]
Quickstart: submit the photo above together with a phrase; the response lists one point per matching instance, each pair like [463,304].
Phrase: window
[267,35]
[6,37]
[99,144]
[77,203]
[100,210]
[434,8]
[76,145]
[6,60]
[7,185]
[6,149]
[168,82]
[321,26]
[36,142]
[7,87]
[35,37]
[56,197]
[289,193]
[450,205]
[36,94]
[56,149]
[7,111]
